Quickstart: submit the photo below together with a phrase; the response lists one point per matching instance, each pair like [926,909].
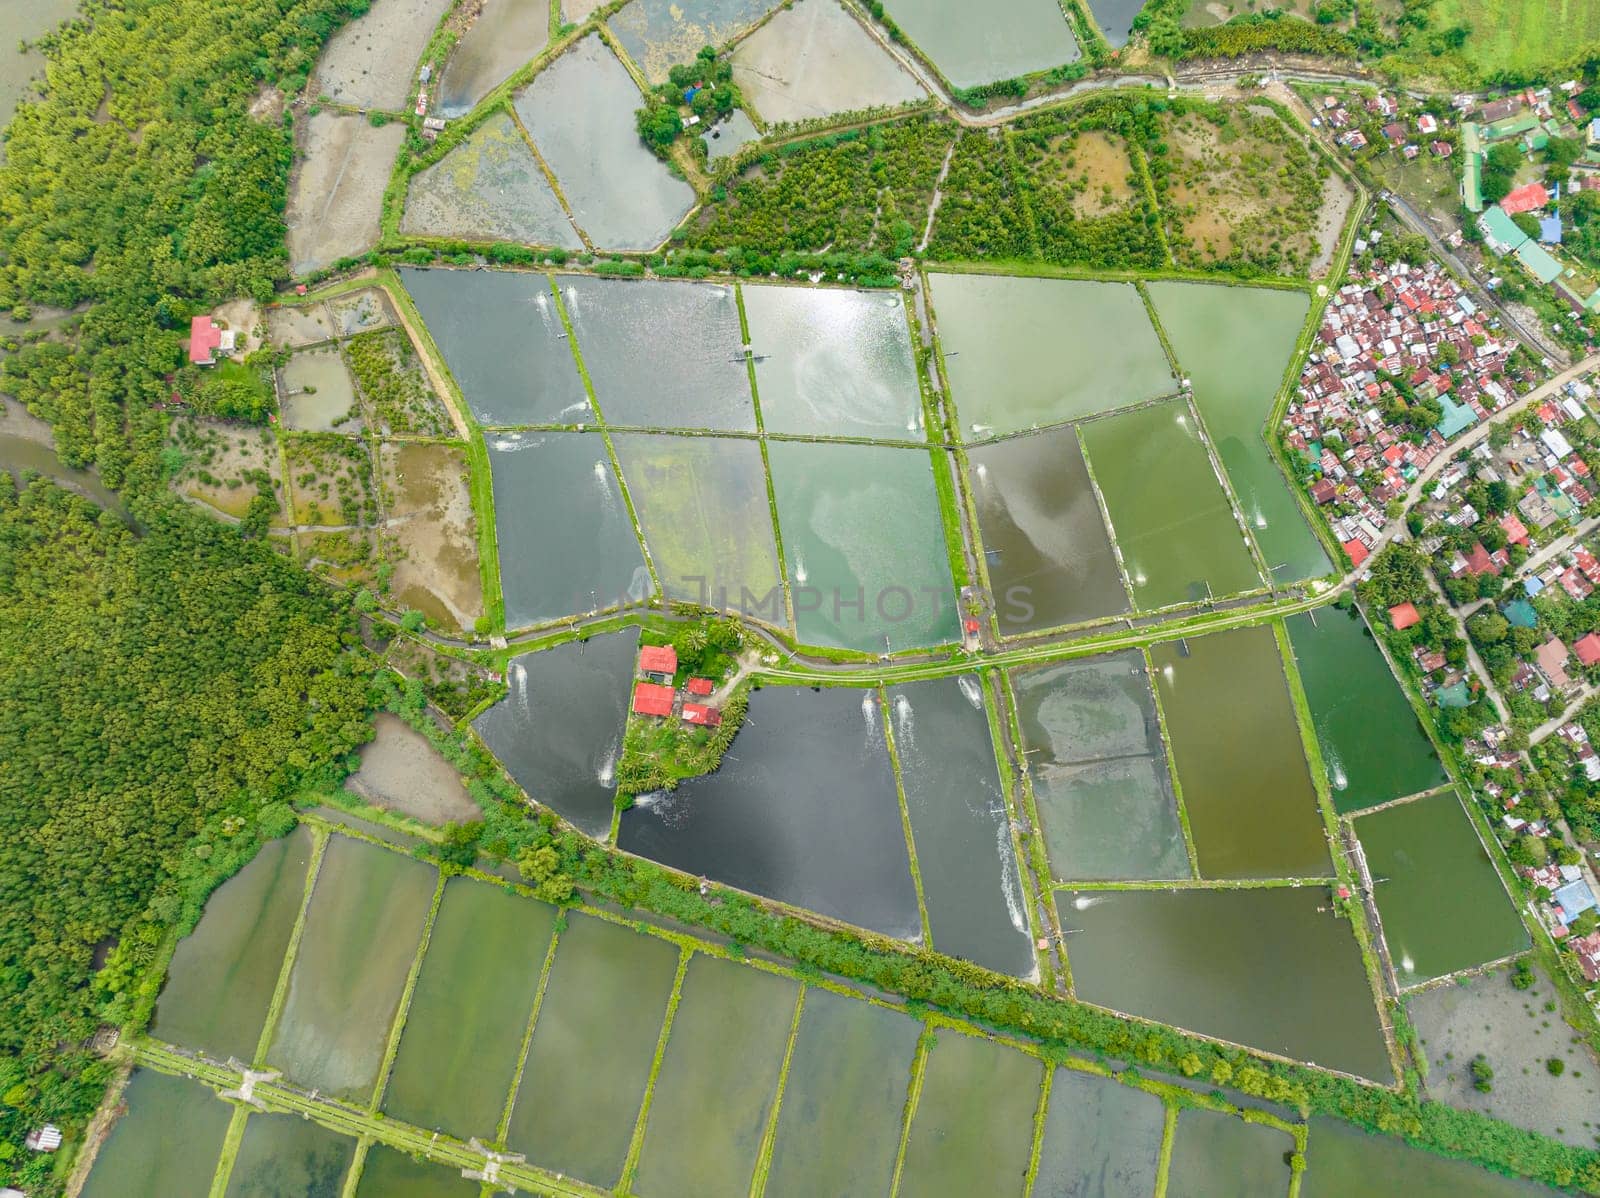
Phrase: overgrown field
[1100,185]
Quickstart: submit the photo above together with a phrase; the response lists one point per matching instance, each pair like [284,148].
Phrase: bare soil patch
[336,192]
[402,772]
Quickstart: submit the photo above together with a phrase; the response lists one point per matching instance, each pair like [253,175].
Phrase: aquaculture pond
[316,393]
[1372,744]
[620,193]
[1099,770]
[703,507]
[558,731]
[585,560]
[1026,352]
[803,809]
[659,34]
[864,543]
[402,772]
[1048,553]
[371,62]
[501,336]
[660,353]
[469,1011]
[973,44]
[506,34]
[1115,18]
[166,1145]
[1101,1139]
[1177,533]
[814,59]
[843,1100]
[1345,1160]
[342,166]
[959,824]
[360,939]
[1442,904]
[972,1130]
[389,1173]
[1234,345]
[717,1082]
[286,1156]
[833,363]
[222,975]
[729,134]
[1218,1155]
[1269,967]
[1241,763]
[598,1026]
[489,188]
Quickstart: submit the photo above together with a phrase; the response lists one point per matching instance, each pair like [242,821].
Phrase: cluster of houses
[1398,325]
[655,696]
[1408,135]
[1529,119]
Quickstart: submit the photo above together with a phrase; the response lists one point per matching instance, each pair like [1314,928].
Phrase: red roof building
[204,338]
[701,686]
[699,713]
[1404,615]
[1516,530]
[1588,649]
[652,699]
[658,659]
[1525,199]
[1356,552]
[1480,561]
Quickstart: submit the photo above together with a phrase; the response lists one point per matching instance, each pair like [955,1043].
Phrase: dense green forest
[164,691]
[141,186]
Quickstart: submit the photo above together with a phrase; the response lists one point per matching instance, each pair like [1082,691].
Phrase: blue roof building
[1574,899]
[1550,230]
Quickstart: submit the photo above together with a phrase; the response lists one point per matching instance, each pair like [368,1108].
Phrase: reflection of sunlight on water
[905,727]
[1010,879]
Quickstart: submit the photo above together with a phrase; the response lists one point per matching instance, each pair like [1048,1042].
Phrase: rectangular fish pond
[1098,769]
[1268,967]
[167,1144]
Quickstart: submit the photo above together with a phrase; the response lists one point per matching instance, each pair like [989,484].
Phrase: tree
[1488,628]
[1482,1074]
[1500,170]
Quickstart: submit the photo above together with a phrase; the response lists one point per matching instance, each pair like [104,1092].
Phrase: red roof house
[701,686]
[652,699]
[1404,615]
[1588,649]
[1480,561]
[204,338]
[699,713]
[1356,552]
[1525,199]
[658,659]
[1516,530]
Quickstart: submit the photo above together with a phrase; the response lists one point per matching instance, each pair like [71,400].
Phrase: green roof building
[1511,127]
[1500,230]
[1536,260]
[1471,140]
[1472,183]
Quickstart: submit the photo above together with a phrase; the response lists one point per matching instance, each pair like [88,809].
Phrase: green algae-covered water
[1101,1139]
[1242,773]
[1215,1155]
[468,1014]
[286,1156]
[166,1146]
[972,1132]
[223,973]
[1234,345]
[1345,1160]
[1372,745]
[1171,520]
[1442,904]
[973,43]
[361,935]
[388,1173]
[596,1032]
